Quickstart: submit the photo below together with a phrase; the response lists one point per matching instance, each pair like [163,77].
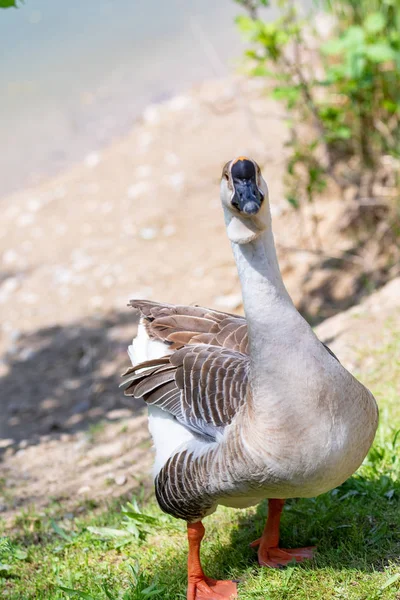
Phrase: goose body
[242,409]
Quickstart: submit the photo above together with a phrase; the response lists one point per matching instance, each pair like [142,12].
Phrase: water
[74,75]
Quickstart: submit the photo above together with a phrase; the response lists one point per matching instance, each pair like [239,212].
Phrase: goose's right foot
[269,553]
[210,589]
[201,587]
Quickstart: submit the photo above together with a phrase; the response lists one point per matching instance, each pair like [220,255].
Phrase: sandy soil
[141,219]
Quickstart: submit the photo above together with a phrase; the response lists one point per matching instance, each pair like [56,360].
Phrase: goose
[245,409]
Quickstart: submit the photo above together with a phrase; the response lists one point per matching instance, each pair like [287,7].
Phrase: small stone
[171,159]
[148,233]
[85,489]
[26,354]
[139,189]
[6,442]
[108,281]
[169,230]
[23,444]
[118,413]
[129,229]
[96,301]
[10,285]
[120,479]
[143,171]
[92,160]
[106,207]
[144,140]
[176,180]
[25,219]
[151,114]
[9,257]
[198,271]
[179,103]
[29,298]
[34,204]
[9,452]
[61,229]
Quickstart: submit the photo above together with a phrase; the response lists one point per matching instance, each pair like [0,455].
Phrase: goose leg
[269,553]
[201,587]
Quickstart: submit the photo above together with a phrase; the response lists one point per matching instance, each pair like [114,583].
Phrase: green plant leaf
[5,568]
[245,24]
[293,202]
[390,581]
[10,3]
[71,593]
[332,47]
[136,516]
[260,71]
[20,554]
[68,537]
[342,132]
[380,52]
[375,22]
[354,36]
[109,532]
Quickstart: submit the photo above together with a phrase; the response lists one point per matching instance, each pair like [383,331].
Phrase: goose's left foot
[201,587]
[269,553]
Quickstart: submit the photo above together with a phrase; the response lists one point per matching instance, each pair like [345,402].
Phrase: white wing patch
[143,348]
[167,433]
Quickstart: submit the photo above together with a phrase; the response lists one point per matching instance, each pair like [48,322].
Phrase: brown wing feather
[179,325]
[202,386]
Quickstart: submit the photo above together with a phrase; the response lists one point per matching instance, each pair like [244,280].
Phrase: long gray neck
[264,293]
[270,313]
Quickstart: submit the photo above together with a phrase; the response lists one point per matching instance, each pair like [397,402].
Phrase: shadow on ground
[64,379]
[355,528]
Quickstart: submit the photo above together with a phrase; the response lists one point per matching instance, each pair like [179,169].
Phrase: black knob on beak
[247,197]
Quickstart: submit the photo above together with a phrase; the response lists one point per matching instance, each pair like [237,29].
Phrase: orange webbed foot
[210,589]
[276,557]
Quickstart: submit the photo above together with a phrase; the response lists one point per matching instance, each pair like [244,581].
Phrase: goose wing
[203,386]
[178,325]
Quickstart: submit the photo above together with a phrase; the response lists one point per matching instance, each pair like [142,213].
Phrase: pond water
[74,75]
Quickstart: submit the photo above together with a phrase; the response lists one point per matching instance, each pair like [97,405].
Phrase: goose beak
[247,198]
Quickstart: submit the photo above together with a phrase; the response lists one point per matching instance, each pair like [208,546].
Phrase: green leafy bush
[8,3]
[344,86]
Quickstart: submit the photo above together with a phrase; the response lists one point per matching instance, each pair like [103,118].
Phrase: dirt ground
[143,219]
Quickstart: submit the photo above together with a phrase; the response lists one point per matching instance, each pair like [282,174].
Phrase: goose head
[244,197]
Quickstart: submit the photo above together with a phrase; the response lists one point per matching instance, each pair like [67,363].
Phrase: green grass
[356,528]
